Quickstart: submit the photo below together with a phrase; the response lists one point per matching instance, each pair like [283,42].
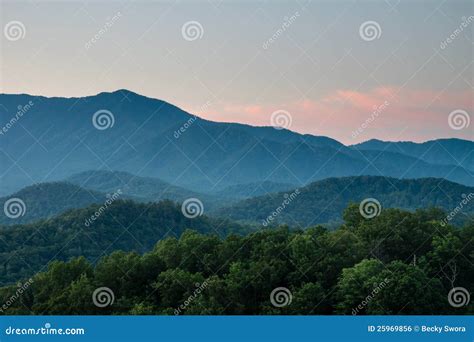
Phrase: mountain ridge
[322,202]
[46,200]
[127,91]
[56,138]
[431,150]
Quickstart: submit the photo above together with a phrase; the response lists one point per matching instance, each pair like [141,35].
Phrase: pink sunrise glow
[406,114]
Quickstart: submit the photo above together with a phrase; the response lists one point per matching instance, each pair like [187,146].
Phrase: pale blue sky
[319,69]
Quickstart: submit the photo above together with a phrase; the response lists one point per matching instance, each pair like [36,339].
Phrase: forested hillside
[46,200]
[409,260]
[324,201]
[95,231]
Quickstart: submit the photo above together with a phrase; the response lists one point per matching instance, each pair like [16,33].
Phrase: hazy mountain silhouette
[145,189]
[253,189]
[440,151]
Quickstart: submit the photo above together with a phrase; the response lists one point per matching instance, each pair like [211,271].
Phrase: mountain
[54,138]
[45,200]
[324,201]
[441,151]
[121,225]
[397,165]
[253,189]
[146,189]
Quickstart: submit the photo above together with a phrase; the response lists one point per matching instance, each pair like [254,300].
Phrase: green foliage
[46,200]
[356,284]
[408,291]
[396,263]
[322,202]
[123,225]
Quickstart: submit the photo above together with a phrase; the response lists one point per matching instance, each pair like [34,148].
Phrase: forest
[125,225]
[399,262]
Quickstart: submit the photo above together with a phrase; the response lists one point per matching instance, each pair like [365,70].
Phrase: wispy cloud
[411,114]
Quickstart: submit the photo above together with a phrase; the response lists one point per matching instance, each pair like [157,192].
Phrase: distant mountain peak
[122,92]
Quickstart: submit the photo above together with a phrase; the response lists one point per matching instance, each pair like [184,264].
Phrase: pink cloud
[364,101]
[387,113]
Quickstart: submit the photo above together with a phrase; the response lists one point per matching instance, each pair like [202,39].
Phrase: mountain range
[46,200]
[440,151]
[60,224]
[141,189]
[320,202]
[55,138]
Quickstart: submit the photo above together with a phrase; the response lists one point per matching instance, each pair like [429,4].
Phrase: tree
[174,286]
[357,286]
[408,291]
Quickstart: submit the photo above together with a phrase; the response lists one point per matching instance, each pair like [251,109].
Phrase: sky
[351,70]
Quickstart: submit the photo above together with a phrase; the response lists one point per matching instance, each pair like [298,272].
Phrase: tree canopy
[396,263]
